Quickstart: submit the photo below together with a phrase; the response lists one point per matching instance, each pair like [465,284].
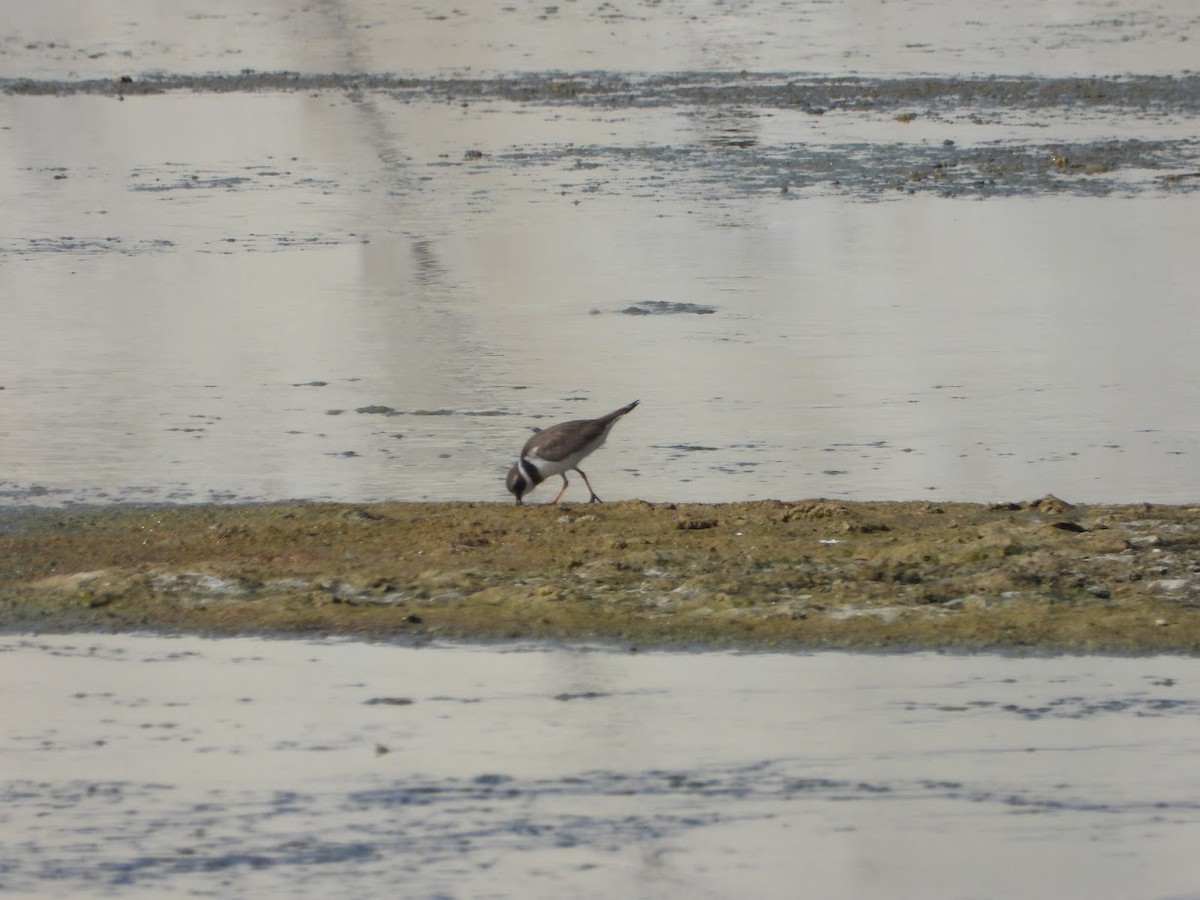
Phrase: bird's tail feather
[617,413]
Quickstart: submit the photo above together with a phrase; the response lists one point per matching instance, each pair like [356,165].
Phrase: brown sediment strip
[1041,575]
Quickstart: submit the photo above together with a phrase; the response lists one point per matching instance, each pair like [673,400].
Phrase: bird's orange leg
[563,489]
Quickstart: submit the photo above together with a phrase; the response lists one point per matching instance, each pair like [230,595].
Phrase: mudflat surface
[1036,575]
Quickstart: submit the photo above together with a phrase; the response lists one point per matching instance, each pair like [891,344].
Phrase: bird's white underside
[548,467]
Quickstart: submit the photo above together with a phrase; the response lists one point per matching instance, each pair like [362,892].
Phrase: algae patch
[812,573]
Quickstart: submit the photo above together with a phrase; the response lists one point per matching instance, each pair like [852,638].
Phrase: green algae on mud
[1043,575]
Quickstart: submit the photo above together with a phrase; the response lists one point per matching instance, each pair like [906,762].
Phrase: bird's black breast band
[531,471]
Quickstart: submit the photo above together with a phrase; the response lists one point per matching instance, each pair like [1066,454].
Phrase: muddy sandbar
[1040,575]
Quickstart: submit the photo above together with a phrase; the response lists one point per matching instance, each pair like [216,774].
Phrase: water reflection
[541,772]
[1087,37]
[213,284]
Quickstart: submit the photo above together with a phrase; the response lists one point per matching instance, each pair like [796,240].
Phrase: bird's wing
[559,441]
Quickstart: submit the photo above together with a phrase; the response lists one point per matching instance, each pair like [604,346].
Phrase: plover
[559,449]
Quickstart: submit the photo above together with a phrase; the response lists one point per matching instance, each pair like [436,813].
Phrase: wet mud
[1040,575]
[755,139]
[620,89]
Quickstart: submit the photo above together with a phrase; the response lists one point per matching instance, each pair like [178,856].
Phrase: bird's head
[517,483]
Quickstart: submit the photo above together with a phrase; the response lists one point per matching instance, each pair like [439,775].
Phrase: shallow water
[57,39]
[923,282]
[146,766]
